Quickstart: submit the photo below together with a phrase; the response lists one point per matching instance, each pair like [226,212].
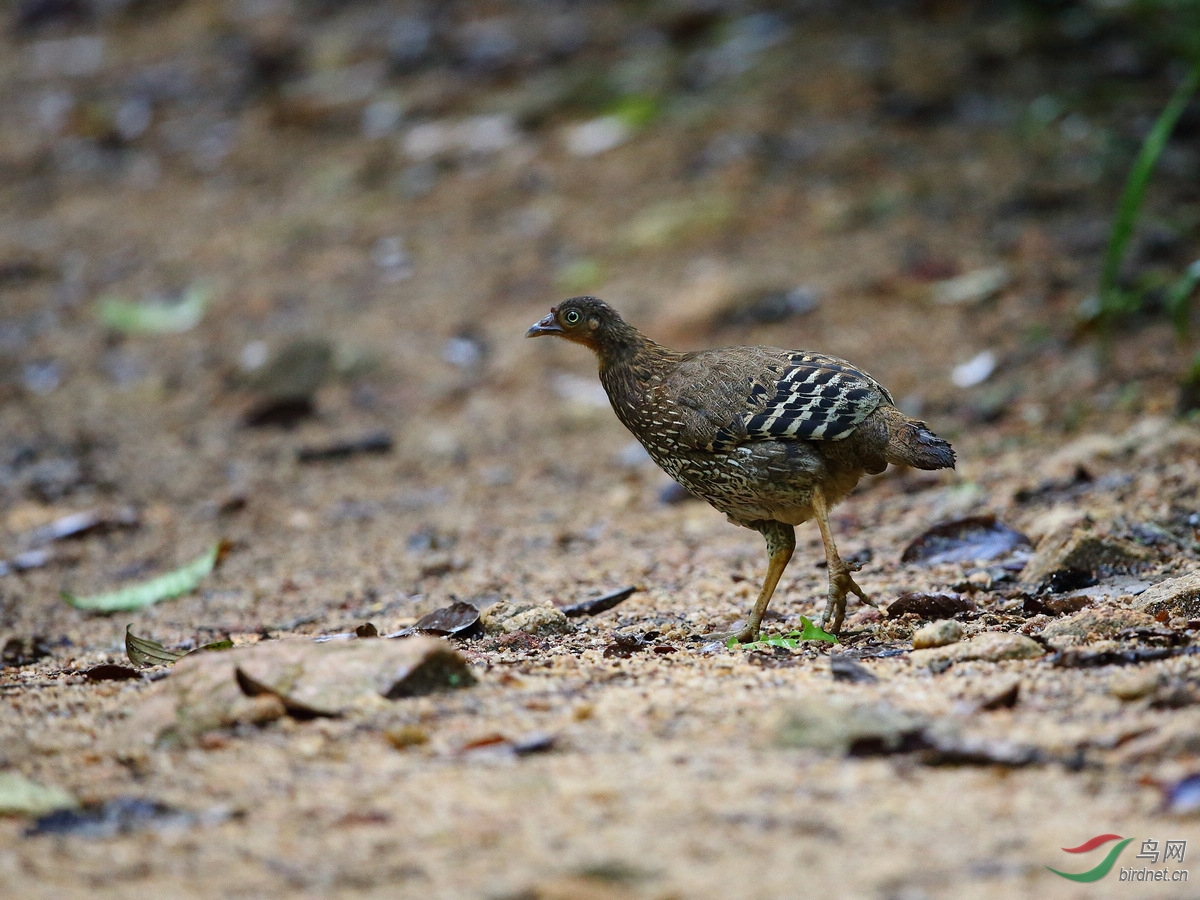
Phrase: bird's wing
[748,394]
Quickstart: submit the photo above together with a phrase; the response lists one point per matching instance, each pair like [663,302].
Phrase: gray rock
[1096,623]
[1175,596]
[1082,548]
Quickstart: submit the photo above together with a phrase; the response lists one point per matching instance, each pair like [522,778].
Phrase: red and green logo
[1106,864]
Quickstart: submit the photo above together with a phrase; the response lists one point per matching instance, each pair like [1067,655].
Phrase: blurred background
[241,240]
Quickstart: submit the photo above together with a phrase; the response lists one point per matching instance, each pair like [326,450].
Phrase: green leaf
[136,596]
[155,317]
[637,110]
[814,632]
[226,644]
[808,632]
[21,796]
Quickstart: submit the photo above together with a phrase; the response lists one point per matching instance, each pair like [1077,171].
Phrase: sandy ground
[861,160]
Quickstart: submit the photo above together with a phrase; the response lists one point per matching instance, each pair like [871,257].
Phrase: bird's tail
[911,443]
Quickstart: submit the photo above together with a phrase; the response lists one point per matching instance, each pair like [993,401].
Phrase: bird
[772,438]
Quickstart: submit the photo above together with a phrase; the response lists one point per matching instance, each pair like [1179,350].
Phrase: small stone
[332,98]
[1134,684]
[1081,548]
[597,136]
[404,736]
[938,634]
[1178,596]
[1096,623]
[990,646]
[507,617]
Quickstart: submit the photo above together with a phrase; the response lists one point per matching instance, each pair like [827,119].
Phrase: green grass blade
[1112,300]
[1178,294]
[171,584]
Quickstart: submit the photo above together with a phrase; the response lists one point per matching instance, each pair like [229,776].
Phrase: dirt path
[395,198]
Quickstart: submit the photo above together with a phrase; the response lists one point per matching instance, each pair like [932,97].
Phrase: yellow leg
[840,580]
[781,541]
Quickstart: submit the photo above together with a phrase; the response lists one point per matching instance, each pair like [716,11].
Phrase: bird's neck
[626,353]
[629,370]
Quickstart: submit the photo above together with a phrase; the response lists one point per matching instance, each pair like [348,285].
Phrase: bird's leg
[781,541]
[840,580]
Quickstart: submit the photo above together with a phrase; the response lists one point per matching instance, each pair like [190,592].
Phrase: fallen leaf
[164,587]
[81,523]
[154,317]
[929,605]
[598,604]
[459,619]
[144,652]
[374,443]
[1182,797]
[843,668]
[1087,659]
[121,815]
[24,797]
[964,540]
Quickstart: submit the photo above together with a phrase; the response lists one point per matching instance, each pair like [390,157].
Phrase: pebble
[596,136]
[976,370]
[475,136]
[71,57]
[1134,684]
[938,634]
[508,617]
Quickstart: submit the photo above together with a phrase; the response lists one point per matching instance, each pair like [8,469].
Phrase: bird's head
[588,321]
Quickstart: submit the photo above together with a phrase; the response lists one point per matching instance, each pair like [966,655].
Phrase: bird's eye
[571,317]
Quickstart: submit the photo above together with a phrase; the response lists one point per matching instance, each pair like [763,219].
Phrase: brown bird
[770,437]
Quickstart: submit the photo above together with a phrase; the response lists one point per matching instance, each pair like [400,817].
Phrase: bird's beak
[546,325]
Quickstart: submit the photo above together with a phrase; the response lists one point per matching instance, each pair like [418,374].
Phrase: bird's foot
[746,635]
[841,582]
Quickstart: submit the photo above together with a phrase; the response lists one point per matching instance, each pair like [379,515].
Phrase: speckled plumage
[770,437]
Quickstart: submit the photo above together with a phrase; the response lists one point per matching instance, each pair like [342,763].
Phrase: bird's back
[753,429]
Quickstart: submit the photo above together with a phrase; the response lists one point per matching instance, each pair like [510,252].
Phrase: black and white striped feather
[811,397]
